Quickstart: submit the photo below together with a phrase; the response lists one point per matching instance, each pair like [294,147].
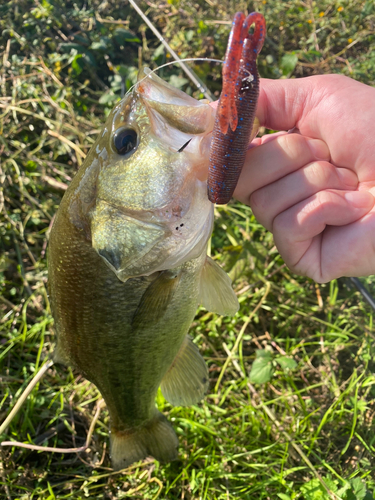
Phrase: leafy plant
[354,489]
[262,369]
[63,66]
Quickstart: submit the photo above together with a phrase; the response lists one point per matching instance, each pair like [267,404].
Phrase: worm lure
[236,108]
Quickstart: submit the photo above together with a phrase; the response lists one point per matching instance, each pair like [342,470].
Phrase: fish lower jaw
[166,255]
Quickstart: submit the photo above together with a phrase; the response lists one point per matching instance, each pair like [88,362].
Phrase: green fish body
[128,266]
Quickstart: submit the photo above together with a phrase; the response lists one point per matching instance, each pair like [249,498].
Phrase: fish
[128,265]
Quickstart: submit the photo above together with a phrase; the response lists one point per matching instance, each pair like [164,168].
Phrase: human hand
[314,188]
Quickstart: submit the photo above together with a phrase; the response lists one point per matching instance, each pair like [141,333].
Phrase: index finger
[275,159]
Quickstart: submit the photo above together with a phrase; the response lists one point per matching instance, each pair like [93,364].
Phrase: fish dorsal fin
[216,292]
[156,298]
[186,381]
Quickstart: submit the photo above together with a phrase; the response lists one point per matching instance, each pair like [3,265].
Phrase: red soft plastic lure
[236,108]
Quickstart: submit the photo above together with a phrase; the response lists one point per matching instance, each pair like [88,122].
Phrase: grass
[310,427]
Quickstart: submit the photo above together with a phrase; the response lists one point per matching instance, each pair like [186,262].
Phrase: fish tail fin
[156,438]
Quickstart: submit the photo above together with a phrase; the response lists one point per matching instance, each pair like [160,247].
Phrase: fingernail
[319,149]
[360,199]
[251,145]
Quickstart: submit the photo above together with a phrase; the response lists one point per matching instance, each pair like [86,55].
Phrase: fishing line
[364,292]
[189,72]
[170,63]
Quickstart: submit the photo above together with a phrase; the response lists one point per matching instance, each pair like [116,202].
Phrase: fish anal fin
[186,381]
[155,438]
[216,292]
[59,356]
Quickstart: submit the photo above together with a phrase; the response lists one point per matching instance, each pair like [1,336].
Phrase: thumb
[285,104]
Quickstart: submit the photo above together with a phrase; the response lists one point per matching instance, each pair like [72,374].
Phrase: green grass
[311,425]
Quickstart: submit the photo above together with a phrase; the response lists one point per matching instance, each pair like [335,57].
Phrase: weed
[290,412]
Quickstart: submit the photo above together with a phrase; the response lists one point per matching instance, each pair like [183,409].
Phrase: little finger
[295,229]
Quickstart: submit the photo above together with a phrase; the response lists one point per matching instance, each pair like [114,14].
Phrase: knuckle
[347,178]
[281,226]
[320,204]
[260,207]
[293,145]
[325,172]
[257,200]
[327,197]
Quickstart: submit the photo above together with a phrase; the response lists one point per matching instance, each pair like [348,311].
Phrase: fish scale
[127,271]
[88,331]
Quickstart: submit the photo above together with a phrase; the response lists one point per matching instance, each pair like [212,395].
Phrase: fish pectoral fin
[215,290]
[186,381]
[156,438]
[156,298]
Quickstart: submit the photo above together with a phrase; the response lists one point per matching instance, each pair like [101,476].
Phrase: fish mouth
[178,109]
[120,238]
[134,243]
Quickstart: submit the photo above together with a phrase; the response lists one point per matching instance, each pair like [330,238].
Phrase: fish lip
[161,98]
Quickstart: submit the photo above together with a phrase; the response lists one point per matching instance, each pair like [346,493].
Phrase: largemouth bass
[128,266]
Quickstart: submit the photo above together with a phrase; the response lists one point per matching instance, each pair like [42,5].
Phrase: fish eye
[125,141]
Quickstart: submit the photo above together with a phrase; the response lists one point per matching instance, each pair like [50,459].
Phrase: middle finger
[278,155]
[281,195]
